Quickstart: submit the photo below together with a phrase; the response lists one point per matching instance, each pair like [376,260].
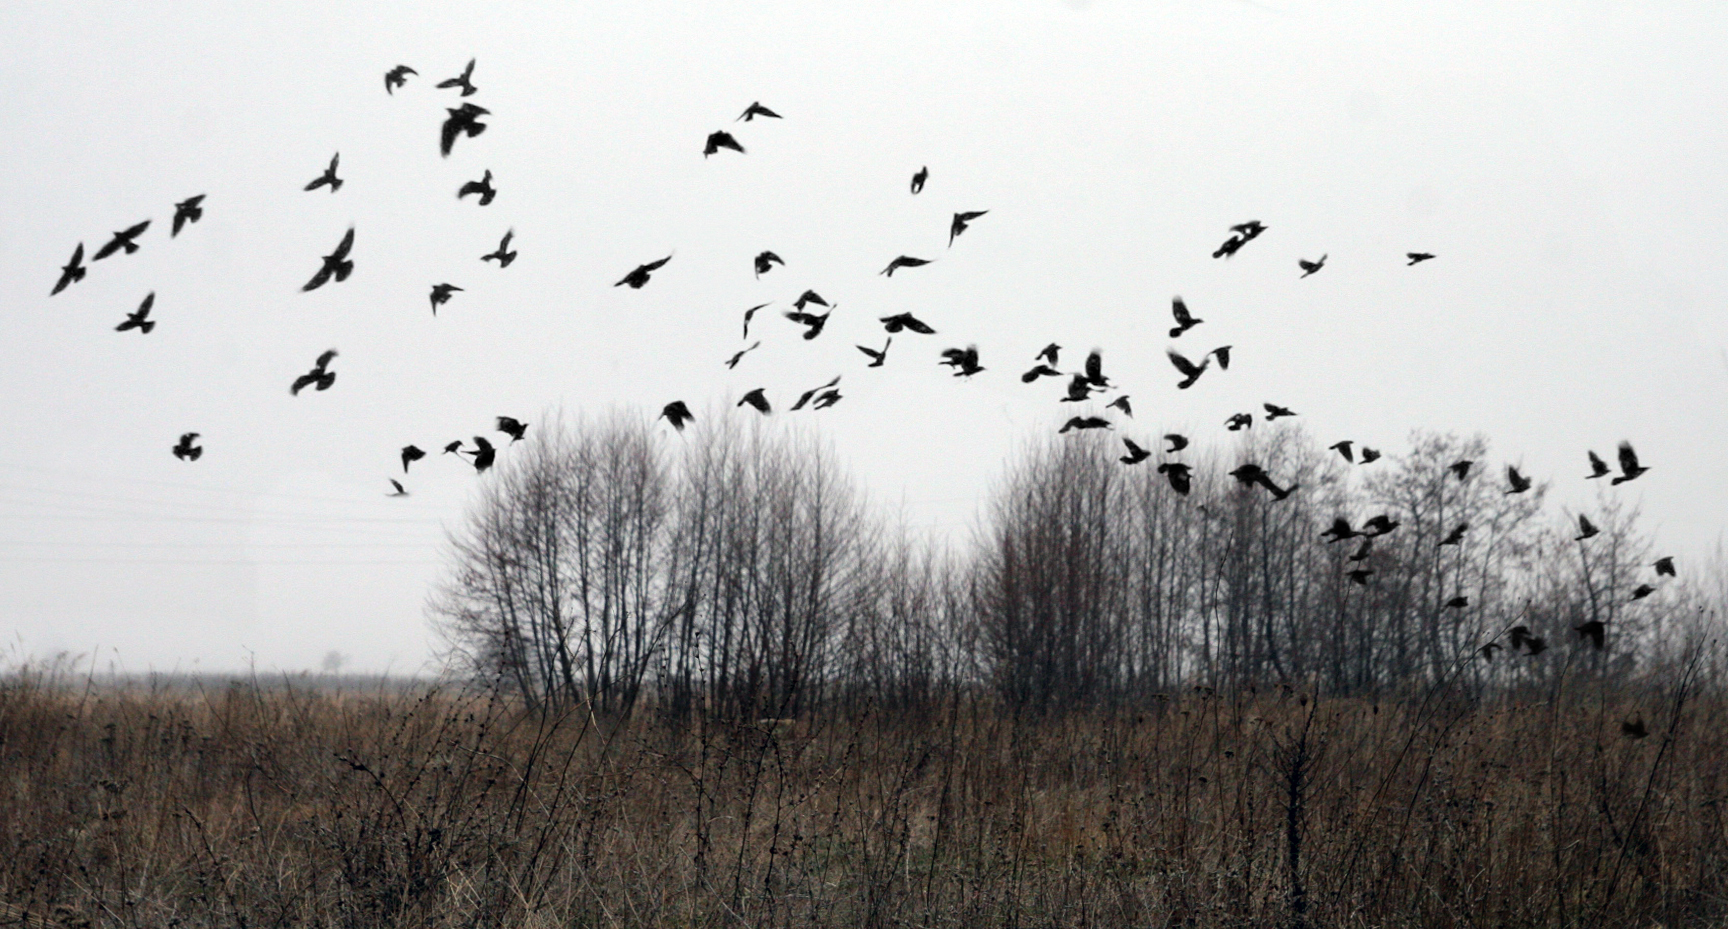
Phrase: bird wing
[343,246]
[1188,368]
[326,358]
[1628,458]
[1179,309]
[301,382]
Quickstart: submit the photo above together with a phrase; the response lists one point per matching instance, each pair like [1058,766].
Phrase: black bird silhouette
[328,178]
[441,295]
[1519,482]
[806,395]
[964,361]
[185,450]
[1382,524]
[901,321]
[1249,473]
[1521,637]
[1598,467]
[813,324]
[189,210]
[1230,247]
[1417,257]
[1273,411]
[1360,576]
[1460,469]
[1044,370]
[1184,320]
[1242,234]
[453,448]
[1633,729]
[400,491]
[1340,530]
[1344,448]
[1085,422]
[484,454]
[463,120]
[1586,528]
[1664,565]
[757,399]
[1048,355]
[1455,536]
[733,361]
[750,313]
[877,358]
[1487,651]
[1363,550]
[1177,442]
[397,77]
[806,298]
[463,80]
[826,399]
[1178,474]
[124,239]
[512,427]
[137,319]
[677,414]
[1190,371]
[904,261]
[756,109]
[919,179]
[720,140]
[639,276]
[1239,421]
[960,222]
[411,454]
[503,255]
[72,271]
[1309,267]
[336,264]
[1121,403]
[1369,456]
[1594,632]
[1135,455]
[1458,603]
[1222,353]
[1095,370]
[1079,389]
[766,261]
[1629,466]
[1250,229]
[320,375]
[1642,591]
[483,187]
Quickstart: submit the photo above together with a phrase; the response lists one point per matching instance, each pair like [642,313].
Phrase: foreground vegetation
[289,805]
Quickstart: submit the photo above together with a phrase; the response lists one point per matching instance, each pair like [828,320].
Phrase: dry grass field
[292,805]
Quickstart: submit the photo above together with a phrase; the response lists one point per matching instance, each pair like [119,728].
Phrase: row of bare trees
[738,571]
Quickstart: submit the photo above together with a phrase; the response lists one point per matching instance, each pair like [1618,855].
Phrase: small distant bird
[1178,474]
[1249,473]
[399,491]
[484,454]
[1586,528]
[901,321]
[1190,371]
[1251,229]
[756,109]
[877,358]
[441,295]
[463,80]
[483,187]
[1340,531]
[1457,603]
[1363,550]
[639,276]
[463,120]
[1346,449]
[1664,565]
[757,399]
[512,427]
[919,179]
[1222,353]
[1309,267]
[1274,411]
[1633,729]
[1239,421]
[189,210]
[1487,651]
[320,375]
[1242,234]
[1085,422]
[1360,576]
[1519,482]
[733,361]
[1521,637]
[1629,466]
[1642,591]
[1455,536]
[1417,257]
[411,454]
[124,239]
[1594,632]
[813,324]
[1050,352]
[1079,389]
[1460,469]
[720,140]
[1177,442]
[1095,370]
[1382,524]
[1184,320]
[1369,456]
[826,399]
[804,398]
[137,319]
[750,313]
[453,448]
[503,255]
[71,272]
[1230,247]
[1121,403]
[960,223]
[185,450]
[336,264]
[677,414]
[328,178]
[904,261]
[1598,467]
[964,361]
[397,77]
[1039,371]
[1135,455]
[766,261]
[806,298]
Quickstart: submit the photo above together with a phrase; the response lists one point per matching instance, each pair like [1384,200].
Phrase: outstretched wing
[1628,458]
[1186,367]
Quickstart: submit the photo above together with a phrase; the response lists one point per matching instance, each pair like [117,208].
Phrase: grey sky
[1565,165]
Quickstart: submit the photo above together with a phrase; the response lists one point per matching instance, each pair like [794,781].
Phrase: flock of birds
[1083,385]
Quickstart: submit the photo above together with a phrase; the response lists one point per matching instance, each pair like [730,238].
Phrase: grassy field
[296,805]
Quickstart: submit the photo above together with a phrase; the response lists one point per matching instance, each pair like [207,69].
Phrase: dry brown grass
[262,807]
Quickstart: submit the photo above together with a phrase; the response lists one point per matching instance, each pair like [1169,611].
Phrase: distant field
[263,806]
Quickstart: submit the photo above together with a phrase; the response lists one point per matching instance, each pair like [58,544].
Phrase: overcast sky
[1565,162]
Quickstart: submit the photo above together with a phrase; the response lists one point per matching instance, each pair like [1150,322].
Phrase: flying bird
[813,324]
[1177,442]
[1135,455]
[321,375]
[441,295]
[904,261]
[1629,466]
[1664,565]
[453,448]
[1309,267]
[1184,320]
[960,222]
[805,397]
[1079,389]
[1095,370]
[411,454]
[766,261]
[138,319]
[677,414]
[964,361]
[1642,591]
[503,255]
[1455,536]
[1340,531]
[1586,529]
[336,264]
[733,361]
[483,187]
[189,210]
[463,80]
[806,298]
[1594,632]
[756,109]
[1241,234]
[1222,353]
[397,77]
[748,314]
[1417,257]
[1190,371]
[1519,482]
[1178,475]
[1050,352]
[1487,651]
[1360,576]
[877,358]
[1239,421]
[185,450]
[1460,469]
[1274,411]
[1633,729]
[720,140]
[1369,456]
[757,399]
[826,399]
[1363,550]
[1044,370]
[1458,603]
[1085,422]
[512,427]
[1345,448]
[1382,524]
[328,178]
[639,277]
[484,454]
[400,491]
[1121,403]
[124,239]
[919,179]
[901,321]
[463,120]
[1598,467]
